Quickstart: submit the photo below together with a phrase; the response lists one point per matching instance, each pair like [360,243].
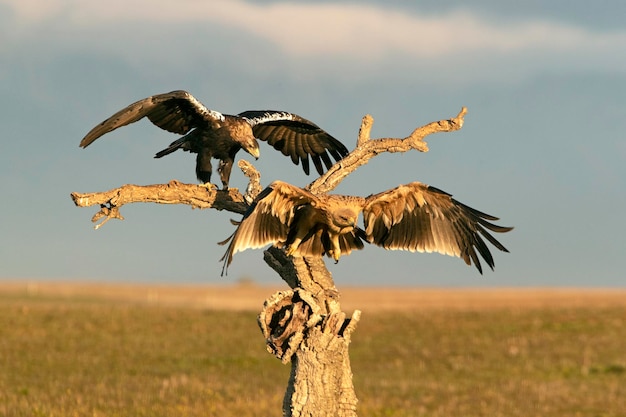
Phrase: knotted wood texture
[297,329]
[304,325]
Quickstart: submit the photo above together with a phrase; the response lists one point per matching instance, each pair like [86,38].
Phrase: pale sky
[542,147]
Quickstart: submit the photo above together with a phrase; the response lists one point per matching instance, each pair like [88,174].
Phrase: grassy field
[81,354]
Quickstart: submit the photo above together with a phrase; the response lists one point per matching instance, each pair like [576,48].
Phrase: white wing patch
[269,116]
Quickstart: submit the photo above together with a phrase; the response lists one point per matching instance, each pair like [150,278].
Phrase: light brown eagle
[414,217]
[211,134]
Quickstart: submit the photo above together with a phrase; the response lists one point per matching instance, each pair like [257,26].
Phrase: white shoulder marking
[203,110]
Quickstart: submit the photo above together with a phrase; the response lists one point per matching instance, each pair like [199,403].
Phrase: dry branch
[174,192]
[368,148]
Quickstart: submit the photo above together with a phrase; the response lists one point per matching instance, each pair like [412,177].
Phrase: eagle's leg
[307,218]
[335,251]
[204,167]
[291,248]
[224,168]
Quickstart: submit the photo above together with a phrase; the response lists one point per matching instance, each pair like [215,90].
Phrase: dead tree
[304,325]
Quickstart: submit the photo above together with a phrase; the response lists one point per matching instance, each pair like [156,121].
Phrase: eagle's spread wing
[268,219]
[417,217]
[296,137]
[176,112]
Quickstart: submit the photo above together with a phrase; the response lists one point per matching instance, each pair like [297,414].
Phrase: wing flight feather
[267,220]
[417,217]
[296,137]
[176,111]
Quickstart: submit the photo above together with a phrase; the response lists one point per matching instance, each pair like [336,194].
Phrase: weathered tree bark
[307,327]
[304,325]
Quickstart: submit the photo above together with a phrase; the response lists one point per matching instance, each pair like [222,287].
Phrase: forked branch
[368,148]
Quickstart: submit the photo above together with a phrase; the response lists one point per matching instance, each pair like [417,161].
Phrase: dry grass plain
[92,349]
[250,297]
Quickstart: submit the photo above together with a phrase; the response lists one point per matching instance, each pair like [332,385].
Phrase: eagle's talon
[289,250]
[210,186]
[335,254]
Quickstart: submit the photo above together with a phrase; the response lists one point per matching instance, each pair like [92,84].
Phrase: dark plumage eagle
[414,217]
[211,134]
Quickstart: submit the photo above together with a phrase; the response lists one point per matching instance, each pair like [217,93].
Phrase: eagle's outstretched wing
[268,219]
[296,137]
[417,217]
[176,111]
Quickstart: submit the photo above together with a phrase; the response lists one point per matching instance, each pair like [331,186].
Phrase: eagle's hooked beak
[256,152]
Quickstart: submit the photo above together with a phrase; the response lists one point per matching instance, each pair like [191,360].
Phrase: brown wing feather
[417,217]
[313,245]
[267,220]
[296,137]
[176,112]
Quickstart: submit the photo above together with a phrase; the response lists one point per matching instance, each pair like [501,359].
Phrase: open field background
[76,349]
[248,296]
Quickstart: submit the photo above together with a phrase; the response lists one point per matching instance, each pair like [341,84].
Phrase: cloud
[349,37]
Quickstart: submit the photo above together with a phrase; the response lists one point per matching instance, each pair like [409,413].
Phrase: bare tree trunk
[304,325]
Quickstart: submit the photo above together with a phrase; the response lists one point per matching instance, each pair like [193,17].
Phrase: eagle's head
[344,219]
[242,134]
